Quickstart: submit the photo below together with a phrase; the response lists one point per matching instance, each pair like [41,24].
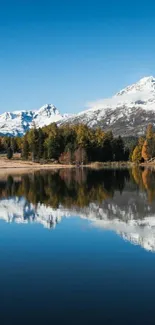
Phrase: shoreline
[19,163]
[20,166]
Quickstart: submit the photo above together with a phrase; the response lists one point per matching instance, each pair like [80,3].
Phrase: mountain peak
[127,113]
[48,109]
[47,106]
[46,115]
[19,122]
[144,84]
[144,80]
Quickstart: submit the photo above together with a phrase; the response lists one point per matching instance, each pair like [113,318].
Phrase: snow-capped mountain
[18,122]
[126,113]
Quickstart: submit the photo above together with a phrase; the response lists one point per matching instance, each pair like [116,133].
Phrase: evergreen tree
[107,152]
[9,153]
[19,143]
[53,148]
[6,142]
[25,149]
[118,149]
[40,143]
[13,144]
[35,144]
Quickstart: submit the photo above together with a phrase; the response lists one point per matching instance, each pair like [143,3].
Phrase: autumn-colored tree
[80,155]
[151,146]
[149,132]
[99,137]
[83,136]
[137,152]
[66,158]
[146,151]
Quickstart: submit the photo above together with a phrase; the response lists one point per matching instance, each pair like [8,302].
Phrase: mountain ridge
[126,113]
[16,123]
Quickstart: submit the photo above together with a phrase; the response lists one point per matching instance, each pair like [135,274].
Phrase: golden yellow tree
[137,153]
[99,136]
[149,132]
[146,151]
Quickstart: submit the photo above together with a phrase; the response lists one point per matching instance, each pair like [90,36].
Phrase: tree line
[79,144]
[68,145]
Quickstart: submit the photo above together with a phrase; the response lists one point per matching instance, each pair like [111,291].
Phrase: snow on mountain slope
[126,113]
[142,92]
[15,123]
[18,122]
[46,115]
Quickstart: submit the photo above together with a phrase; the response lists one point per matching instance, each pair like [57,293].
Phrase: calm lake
[77,247]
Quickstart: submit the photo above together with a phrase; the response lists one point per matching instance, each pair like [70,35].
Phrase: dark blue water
[94,264]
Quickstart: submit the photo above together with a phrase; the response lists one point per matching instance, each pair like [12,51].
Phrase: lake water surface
[78,247]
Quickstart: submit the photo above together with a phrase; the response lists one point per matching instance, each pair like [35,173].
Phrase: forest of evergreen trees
[78,144]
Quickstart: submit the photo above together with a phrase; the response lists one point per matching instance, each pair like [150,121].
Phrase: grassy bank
[17,163]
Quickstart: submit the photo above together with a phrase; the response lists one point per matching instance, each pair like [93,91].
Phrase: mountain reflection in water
[121,200]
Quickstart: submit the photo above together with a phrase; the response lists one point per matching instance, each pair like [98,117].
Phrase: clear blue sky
[69,52]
